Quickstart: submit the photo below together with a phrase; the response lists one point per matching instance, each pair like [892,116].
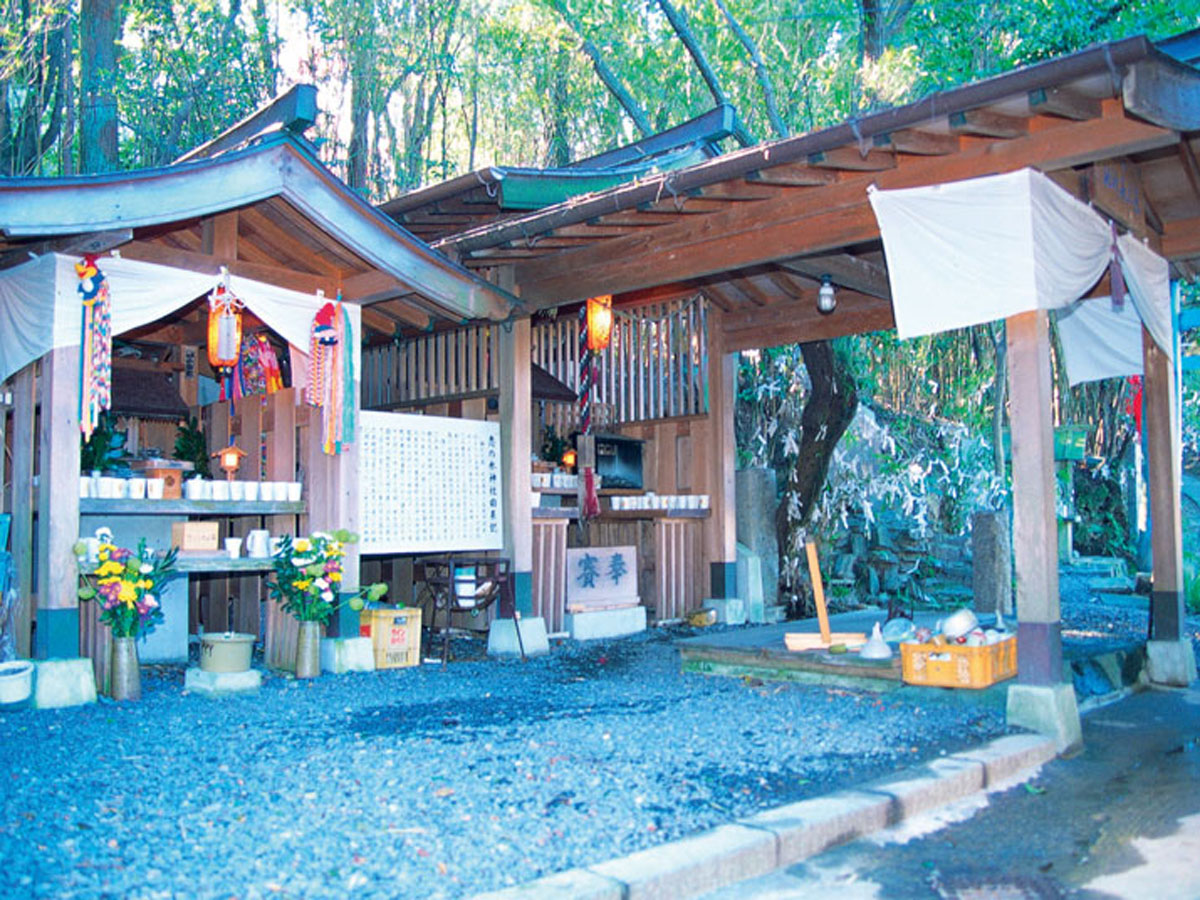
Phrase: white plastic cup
[85,487]
[136,488]
[237,490]
[120,488]
[250,490]
[233,546]
[155,487]
[293,491]
[266,491]
[220,490]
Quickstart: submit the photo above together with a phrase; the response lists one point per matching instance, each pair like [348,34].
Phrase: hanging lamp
[599,322]
[224,326]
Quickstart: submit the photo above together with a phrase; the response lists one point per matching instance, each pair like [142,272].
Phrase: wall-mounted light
[599,322]
[826,297]
[569,458]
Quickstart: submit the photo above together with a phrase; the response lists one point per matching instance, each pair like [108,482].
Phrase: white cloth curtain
[975,251]
[141,293]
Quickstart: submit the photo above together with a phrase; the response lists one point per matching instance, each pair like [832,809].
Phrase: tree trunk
[760,70]
[99,30]
[829,411]
[360,120]
[606,75]
[558,150]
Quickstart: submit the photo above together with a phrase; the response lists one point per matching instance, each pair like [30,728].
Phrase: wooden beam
[219,235]
[799,321]
[919,143]
[516,440]
[24,453]
[792,175]
[279,239]
[815,220]
[1064,103]
[211,265]
[71,245]
[739,191]
[846,270]
[1035,536]
[1166,529]
[720,528]
[853,160]
[1181,239]
[986,123]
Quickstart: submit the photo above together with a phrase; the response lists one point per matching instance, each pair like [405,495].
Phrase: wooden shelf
[655,514]
[99,506]
[195,562]
[556,512]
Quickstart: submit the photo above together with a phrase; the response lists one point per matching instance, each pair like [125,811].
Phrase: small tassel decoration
[95,345]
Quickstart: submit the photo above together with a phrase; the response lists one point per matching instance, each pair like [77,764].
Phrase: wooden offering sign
[601,578]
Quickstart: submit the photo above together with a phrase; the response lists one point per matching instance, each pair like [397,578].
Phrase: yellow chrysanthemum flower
[128,592]
[302,584]
[334,577]
[302,545]
[110,568]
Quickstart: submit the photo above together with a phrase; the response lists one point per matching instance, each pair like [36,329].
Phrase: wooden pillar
[58,506]
[721,530]
[1166,528]
[516,410]
[24,450]
[1035,540]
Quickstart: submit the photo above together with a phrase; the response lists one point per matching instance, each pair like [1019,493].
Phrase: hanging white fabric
[141,293]
[1100,340]
[975,251]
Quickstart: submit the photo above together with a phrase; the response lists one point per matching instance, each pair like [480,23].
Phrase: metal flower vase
[308,650]
[125,677]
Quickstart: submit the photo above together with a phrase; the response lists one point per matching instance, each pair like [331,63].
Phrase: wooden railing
[430,368]
[655,368]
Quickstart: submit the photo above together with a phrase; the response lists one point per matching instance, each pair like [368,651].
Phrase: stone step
[775,613]
[1124,601]
[1112,585]
[1102,566]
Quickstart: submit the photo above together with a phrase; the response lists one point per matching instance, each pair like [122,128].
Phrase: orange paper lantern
[599,322]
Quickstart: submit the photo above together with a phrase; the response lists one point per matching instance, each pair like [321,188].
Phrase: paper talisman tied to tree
[601,578]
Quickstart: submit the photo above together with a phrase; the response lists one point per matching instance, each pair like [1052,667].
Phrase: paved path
[1120,819]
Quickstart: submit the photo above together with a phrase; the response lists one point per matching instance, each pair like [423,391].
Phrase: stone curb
[770,840]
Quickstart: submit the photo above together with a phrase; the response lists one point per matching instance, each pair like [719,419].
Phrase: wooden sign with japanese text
[602,576]
[428,484]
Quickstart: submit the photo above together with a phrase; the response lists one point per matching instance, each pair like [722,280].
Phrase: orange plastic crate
[958,666]
[395,635]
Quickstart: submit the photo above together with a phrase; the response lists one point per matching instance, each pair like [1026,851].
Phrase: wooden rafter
[846,270]
[818,219]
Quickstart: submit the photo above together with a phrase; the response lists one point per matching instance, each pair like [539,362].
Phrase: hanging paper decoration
[224,328]
[258,368]
[95,346]
[331,375]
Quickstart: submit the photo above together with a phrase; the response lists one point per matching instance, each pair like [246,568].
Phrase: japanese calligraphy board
[428,484]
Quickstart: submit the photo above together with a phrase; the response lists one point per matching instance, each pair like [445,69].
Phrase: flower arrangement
[308,576]
[123,582]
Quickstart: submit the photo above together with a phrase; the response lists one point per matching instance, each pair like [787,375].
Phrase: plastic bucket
[16,681]
[227,652]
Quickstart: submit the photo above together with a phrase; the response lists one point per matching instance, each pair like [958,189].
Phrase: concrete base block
[502,637]
[63,682]
[813,826]
[605,623]
[1009,756]
[1171,662]
[1047,709]
[695,865]
[221,684]
[342,655]
[925,787]
[774,614]
[730,610]
[573,884]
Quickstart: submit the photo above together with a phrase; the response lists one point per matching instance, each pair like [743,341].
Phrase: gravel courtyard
[426,782]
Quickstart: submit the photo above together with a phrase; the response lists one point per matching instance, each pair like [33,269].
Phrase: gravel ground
[426,782]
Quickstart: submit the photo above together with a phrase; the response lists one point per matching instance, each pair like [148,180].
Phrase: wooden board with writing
[429,484]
